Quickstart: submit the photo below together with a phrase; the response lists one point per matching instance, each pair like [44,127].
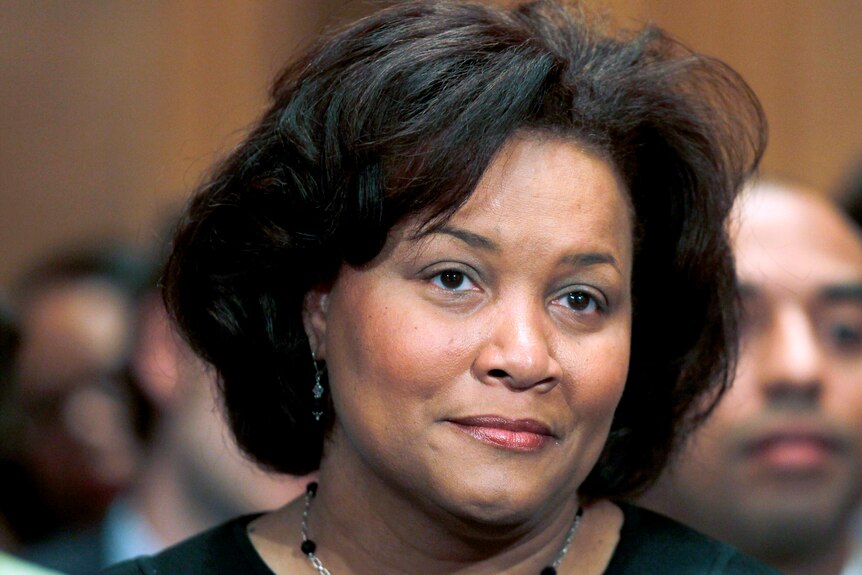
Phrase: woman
[437,270]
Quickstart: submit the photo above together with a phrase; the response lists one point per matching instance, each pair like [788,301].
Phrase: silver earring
[316,391]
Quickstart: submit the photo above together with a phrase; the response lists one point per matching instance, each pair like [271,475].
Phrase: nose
[794,359]
[517,352]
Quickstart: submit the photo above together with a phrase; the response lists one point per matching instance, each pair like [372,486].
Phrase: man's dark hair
[850,194]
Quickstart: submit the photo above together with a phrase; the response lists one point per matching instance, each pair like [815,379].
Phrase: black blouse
[649,544]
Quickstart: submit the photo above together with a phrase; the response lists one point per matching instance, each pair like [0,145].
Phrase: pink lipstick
[514,434]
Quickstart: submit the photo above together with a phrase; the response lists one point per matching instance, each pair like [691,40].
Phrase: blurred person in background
[191,477]
[9,339]
[849,195]
[194,475]
[80,421]
[777,469]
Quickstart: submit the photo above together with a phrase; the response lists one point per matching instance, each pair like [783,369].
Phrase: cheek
[843,396]
[390,356]
[744,398]
[715,441]
[598,369]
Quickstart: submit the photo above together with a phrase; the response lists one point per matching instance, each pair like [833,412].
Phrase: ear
[157,354]
[315,307]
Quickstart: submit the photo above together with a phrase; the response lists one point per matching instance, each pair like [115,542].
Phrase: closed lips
[513,434]
[794,447]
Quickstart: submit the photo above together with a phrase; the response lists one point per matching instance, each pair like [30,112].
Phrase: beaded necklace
[308,547]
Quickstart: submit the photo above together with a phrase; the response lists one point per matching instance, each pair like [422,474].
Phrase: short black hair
[125,268]
[398,116]
[850,193]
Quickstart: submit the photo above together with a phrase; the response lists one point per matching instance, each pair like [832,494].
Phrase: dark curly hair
[397,116]
[849,193]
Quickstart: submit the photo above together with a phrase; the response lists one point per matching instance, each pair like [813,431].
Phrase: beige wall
[110,110]
[804,60]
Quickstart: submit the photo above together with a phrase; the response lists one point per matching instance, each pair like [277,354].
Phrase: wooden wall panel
[110,111]
[803,59]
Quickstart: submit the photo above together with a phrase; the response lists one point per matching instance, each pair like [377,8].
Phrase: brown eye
[451,279]
[579,300]
[844,337]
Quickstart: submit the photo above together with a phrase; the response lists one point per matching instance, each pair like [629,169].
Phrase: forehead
[550,165]
[543,187]
[73,328]
[794,242]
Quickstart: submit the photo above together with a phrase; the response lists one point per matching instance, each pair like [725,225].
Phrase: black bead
[548,571]
[311,488]
[308,548]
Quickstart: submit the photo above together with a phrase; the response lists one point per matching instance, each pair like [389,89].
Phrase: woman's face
[478,366]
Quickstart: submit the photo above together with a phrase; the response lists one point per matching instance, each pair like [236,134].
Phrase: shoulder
[652,543]
[225,549]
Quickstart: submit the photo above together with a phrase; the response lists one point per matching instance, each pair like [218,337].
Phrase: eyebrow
[591,259]
[842,292]
[848,292]
[471,239]
[481,242]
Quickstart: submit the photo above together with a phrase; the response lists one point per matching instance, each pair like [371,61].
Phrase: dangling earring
[316,391]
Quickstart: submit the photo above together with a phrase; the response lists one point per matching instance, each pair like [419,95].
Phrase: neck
[162,499]
[361,525]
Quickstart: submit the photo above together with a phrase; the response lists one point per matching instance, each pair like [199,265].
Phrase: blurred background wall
[110,110]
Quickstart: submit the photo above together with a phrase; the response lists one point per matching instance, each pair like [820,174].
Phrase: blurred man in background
[77,436]
[190,475]
[9,340]
[8,348]
[195,476]
[777,469]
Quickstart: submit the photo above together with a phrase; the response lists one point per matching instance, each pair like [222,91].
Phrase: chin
[493,520]
[501,504]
